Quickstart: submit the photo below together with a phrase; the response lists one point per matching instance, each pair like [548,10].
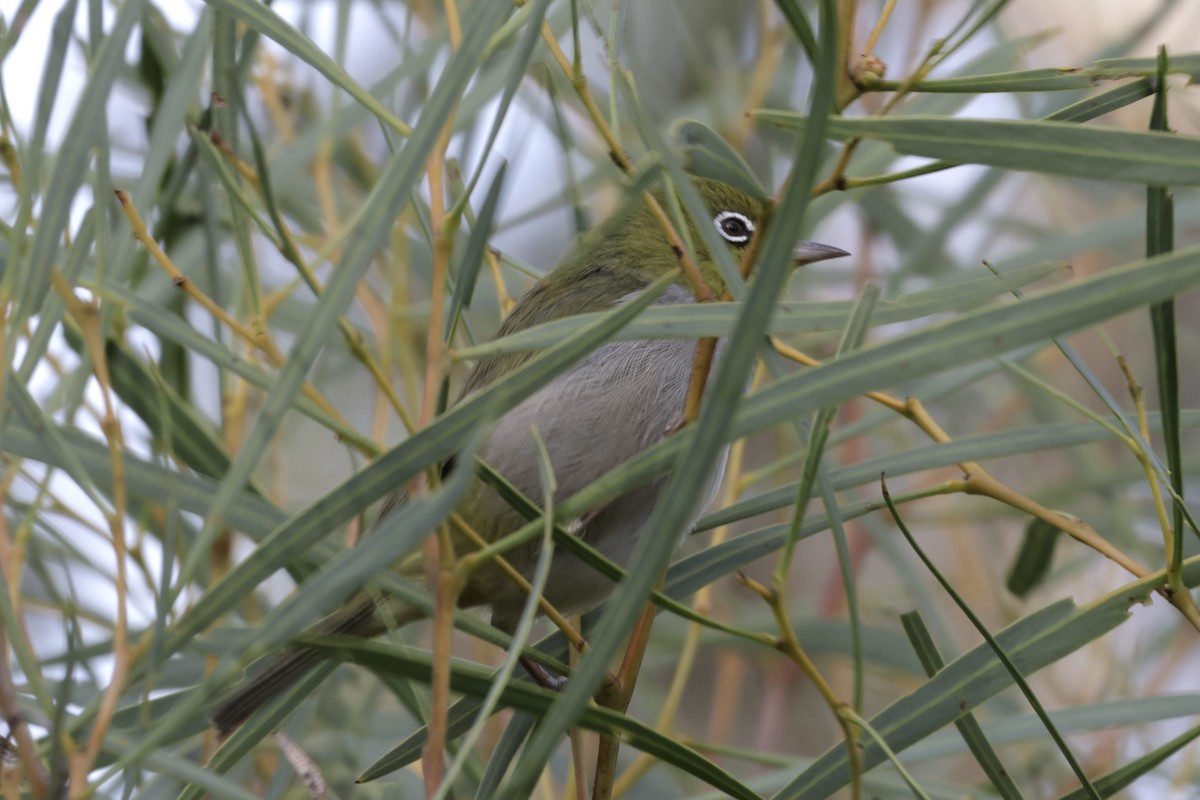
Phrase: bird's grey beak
[808,252]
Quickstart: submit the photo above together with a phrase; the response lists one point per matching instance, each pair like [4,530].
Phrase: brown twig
[260,341]
[87,316]
[439,549]
[289,250]
[616,694]
[488,553]
[579,83]
[18,729]
[772,38]
[845,91]
[733,488]
[1175,586]
[789,645]
[977,481]
[885,14]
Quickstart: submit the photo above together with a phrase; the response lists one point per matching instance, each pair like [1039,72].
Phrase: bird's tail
[363,617]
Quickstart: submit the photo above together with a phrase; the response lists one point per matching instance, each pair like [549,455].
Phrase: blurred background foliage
[328,180]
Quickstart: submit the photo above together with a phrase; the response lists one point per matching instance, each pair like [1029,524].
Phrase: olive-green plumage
[618,401]
[626,253]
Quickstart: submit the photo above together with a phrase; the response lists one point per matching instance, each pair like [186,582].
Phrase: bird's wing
[623,398]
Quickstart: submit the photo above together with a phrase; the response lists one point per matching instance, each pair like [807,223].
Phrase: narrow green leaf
[144,480]
[1033,559]
[1018,677]
[1075,719]
[1054,78]
[172,421]
[814,451]
[459,719]
[816,471]
[183,769]
[1051,148]
[1113,782]
[1160,238]
[474,680]
[33,155]
[979,14]
[687,321]
[23,406]
[978,447]
[1186,64]
[883,648]
[184,85]
[985,755]
[1081,111]
[703,152]
[507,749]
[472,259]
[1032,642]
[1098,105]
[50,317]
[171,328]
[351,570]
[228,100]
[517,69]
[797,20]
[976,335]
[1047,79]
[243,210]
[262,18]
[70,164]
[243,741]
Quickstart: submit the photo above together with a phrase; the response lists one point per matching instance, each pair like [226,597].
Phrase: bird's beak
[808,252]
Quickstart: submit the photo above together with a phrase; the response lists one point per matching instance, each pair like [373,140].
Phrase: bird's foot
[541,677]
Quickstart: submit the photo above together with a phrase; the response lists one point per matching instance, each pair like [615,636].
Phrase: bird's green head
[636,241]
[630,250]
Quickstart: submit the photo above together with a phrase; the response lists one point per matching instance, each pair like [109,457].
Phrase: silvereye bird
[615,403]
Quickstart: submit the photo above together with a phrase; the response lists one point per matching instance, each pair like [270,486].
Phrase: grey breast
[620,400]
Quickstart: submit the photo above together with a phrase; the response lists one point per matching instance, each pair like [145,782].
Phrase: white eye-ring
[736,228]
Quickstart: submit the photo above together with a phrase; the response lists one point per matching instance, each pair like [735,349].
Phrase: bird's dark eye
[736,228]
